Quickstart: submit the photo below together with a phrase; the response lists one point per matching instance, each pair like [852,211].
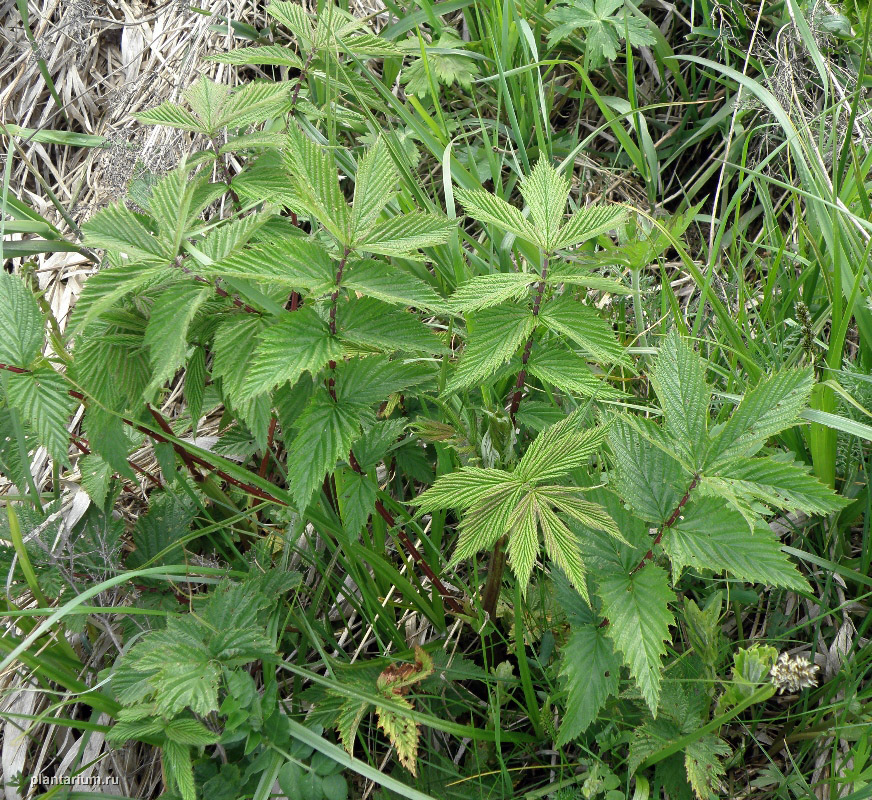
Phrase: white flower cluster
[793,673]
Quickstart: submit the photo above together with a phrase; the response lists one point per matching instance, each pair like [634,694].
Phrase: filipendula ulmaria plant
[684,494]
[533,320]
[306,324]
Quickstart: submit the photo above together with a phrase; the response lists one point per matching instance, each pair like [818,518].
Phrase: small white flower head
[793,673]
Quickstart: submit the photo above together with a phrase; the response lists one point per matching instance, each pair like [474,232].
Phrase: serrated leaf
[300,342]
[383,281]
[104,289]
[558,450]
[189,732]
[166,332]
[583,326]
[766,410]
[267,181]
[637,607]
[573,275]
[462,489]
[545,190]
[781,484]
[21,323]
[371,323]
[118,228]
[702,760]
[569,372]
[232,236]
[356,501]
[96,478]
[591,670]
[486,291]
[365,381]
[179,769]
[374,187]
[294,262]
[315,179]
[406,234]
[561,544]
[206,97]
[588,223]
[271,55]
[651,481]
[486,207]
[42,396]
[195,384]
[446,68]
[710,536]
[254,102]
[679,379]
[402,733]
[495,336]
[171,115]
[326,430]
[235,341]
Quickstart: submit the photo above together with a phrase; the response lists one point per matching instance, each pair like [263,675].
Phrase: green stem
[761,695]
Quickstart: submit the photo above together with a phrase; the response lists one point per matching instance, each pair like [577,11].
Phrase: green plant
[417,295]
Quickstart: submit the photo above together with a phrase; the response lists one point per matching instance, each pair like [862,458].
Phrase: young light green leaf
[494,337]
[300,342]
[297,262]
[679,379]
[118,228]
[582,325]
[371,323]
[780,484]
[326,431]
[545,190]
[486,291]
[486,207]
[569,372]
[406,234]
[166,332]
[43,398]
[462,488]
[588,223]
[314,175]
[375,186]
[386,282]
[558,450]
[267,55]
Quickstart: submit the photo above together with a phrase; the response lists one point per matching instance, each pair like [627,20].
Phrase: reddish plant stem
[528,347]
[79,442]
[258,492]
[264,462]
[302,77]
[413,551]
[183,454]
[673,518]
